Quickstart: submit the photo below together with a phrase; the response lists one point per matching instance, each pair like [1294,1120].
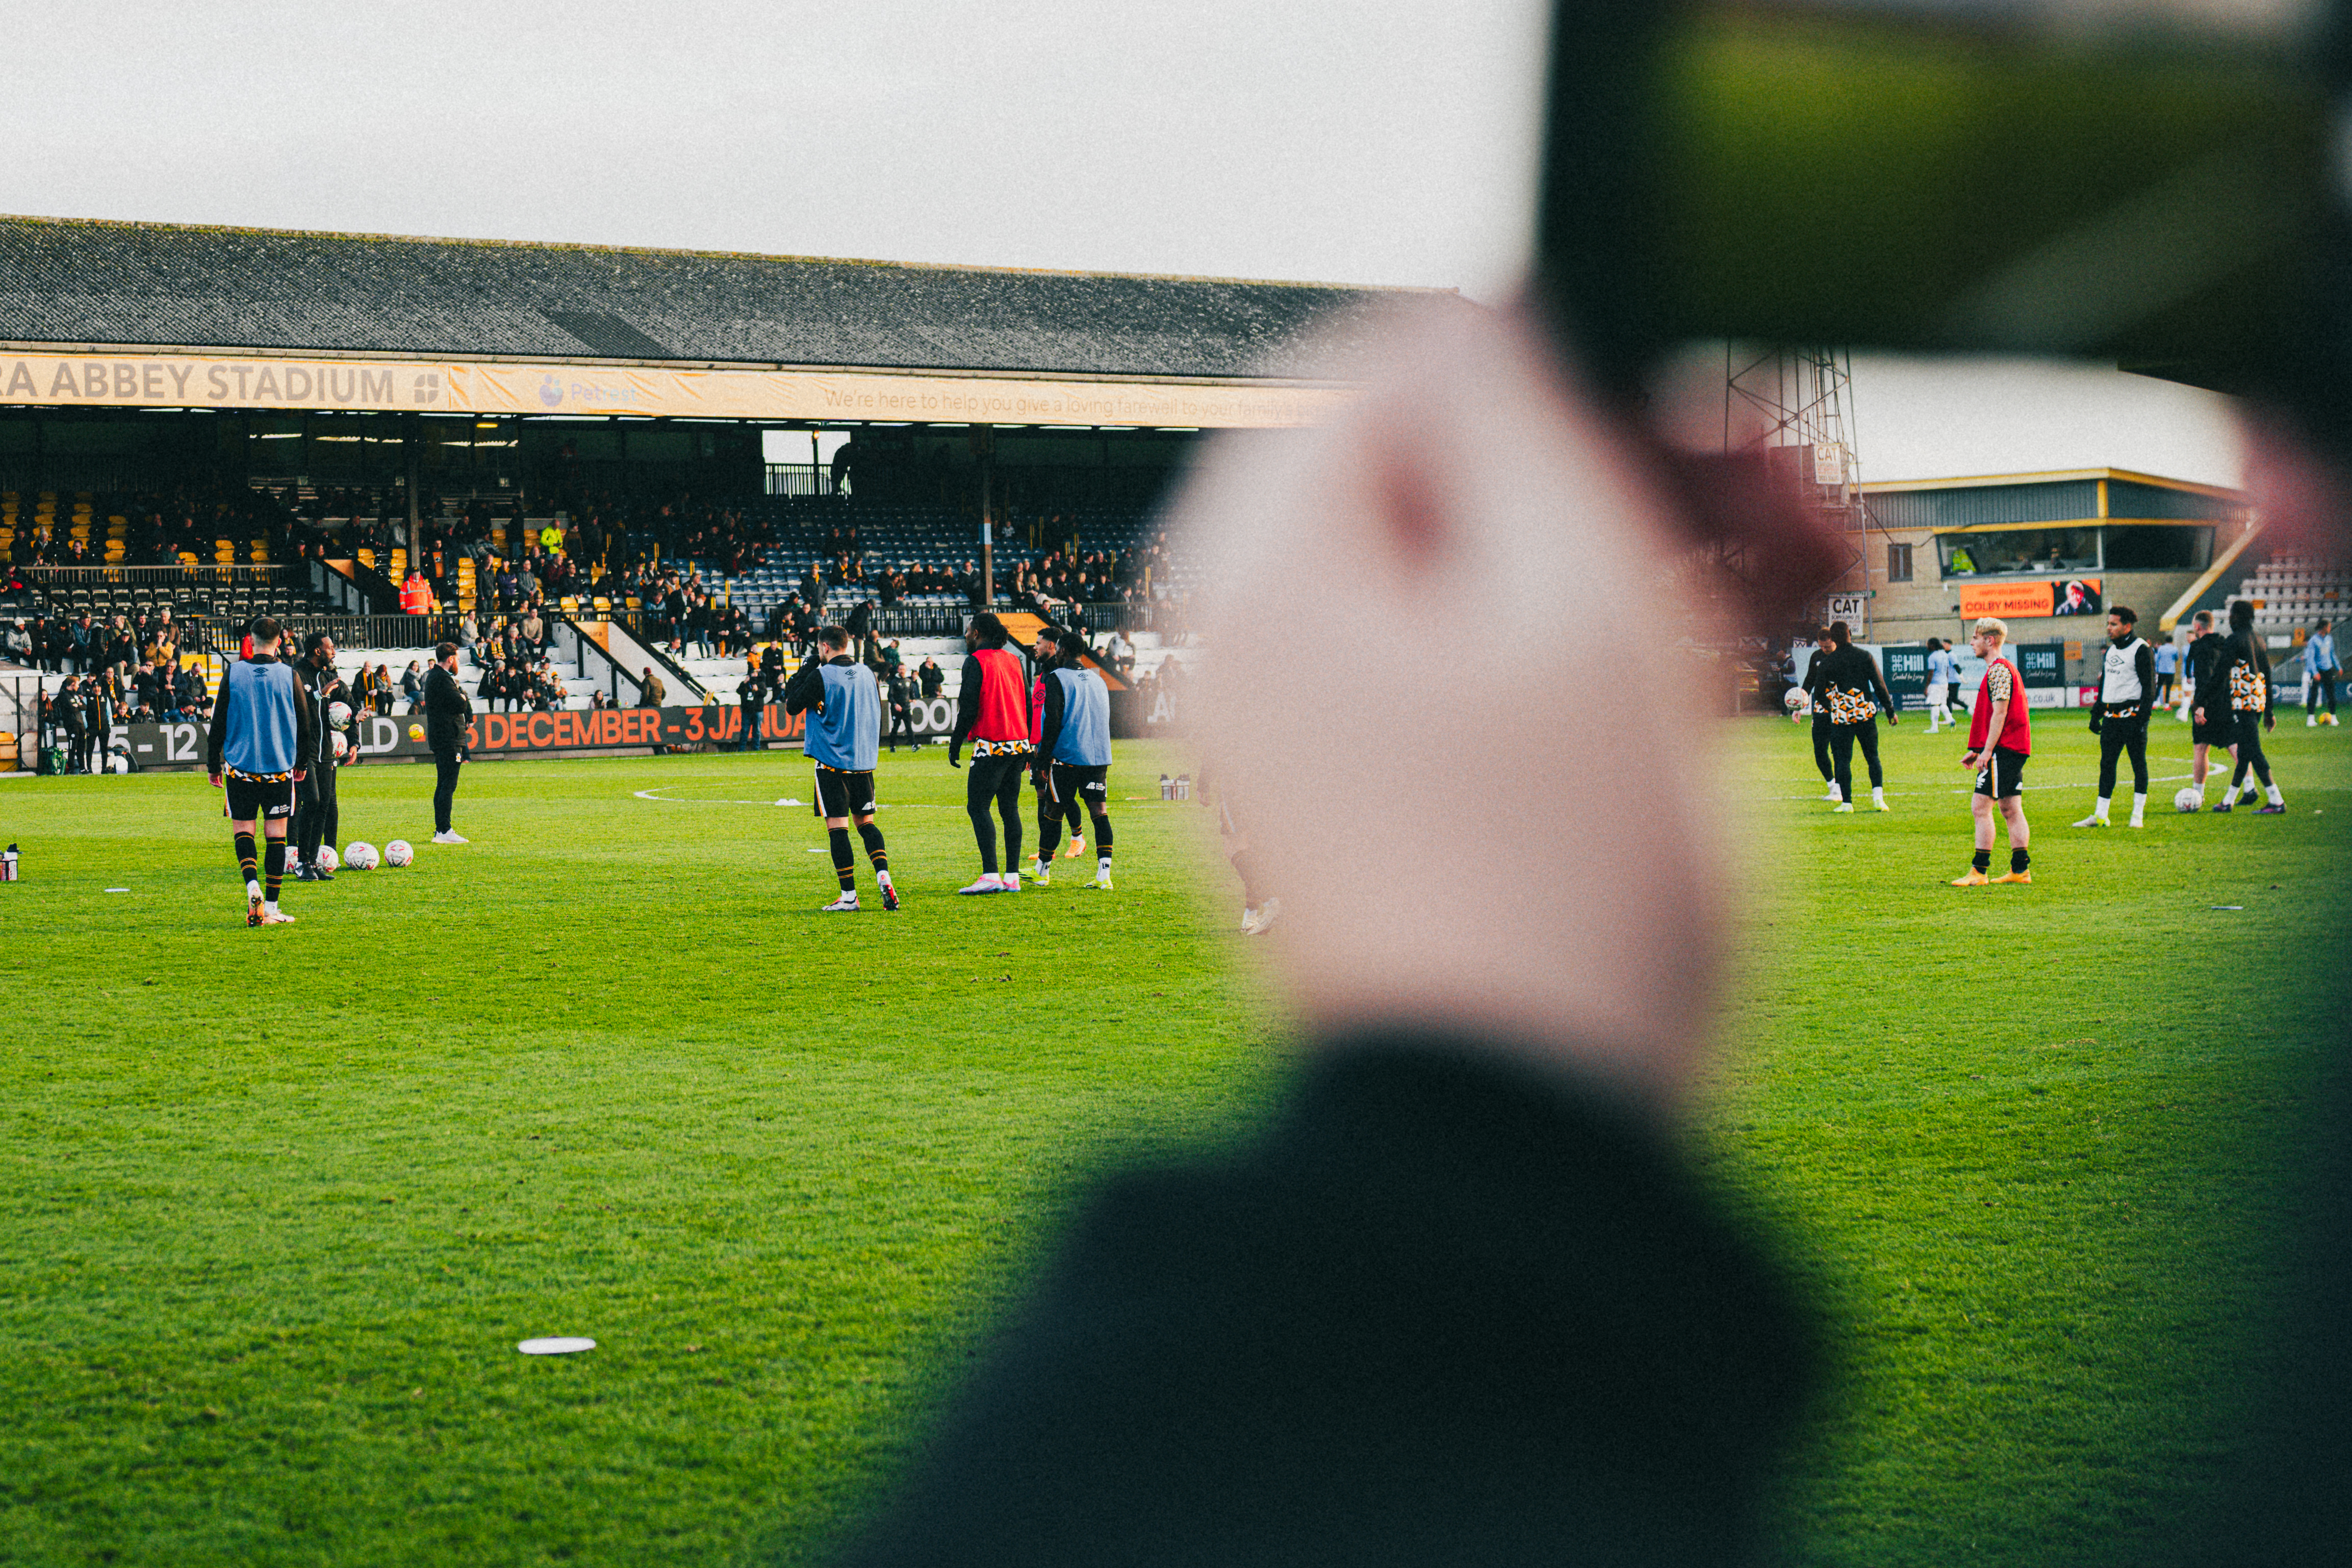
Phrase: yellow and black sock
[872,836]
[2019,860]
[274,866]
[845,859]
[1983,861]
[244,858]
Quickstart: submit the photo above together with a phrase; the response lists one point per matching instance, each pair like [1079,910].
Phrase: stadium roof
[83,282]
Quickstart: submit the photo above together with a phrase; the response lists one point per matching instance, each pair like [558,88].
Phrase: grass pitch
[279,1203]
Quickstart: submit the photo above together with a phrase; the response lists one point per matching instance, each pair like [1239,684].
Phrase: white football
[338,715]
[398,854]
[2189,800]
[327,858]
[1797,700]
[359,855]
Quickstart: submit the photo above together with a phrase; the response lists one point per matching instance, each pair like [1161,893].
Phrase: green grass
[275,1205]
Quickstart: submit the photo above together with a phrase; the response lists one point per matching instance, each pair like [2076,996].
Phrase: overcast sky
[1369,142]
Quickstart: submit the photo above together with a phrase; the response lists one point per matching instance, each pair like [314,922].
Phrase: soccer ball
[326,858]
[397,853]
[2189,800]
[341,745]
[338,715]
[1797,700]
[359,855]
[415,732]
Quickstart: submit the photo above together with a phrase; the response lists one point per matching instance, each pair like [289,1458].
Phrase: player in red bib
[992,715]
[2001,740]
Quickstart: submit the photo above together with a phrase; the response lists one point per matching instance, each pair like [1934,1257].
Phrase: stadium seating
[2295,591]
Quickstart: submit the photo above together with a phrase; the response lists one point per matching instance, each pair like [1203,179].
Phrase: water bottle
[1167,788]
[1183,786]
[8,864]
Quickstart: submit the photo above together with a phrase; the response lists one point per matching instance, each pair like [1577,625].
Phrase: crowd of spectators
[77,717]
[84,644]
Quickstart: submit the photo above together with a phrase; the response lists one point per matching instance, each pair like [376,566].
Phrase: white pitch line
[666,800]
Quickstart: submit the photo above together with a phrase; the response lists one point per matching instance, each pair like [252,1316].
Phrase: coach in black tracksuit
[447,715]
[316,814]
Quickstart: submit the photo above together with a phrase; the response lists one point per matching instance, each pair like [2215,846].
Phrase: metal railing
[224,635]
[41,577]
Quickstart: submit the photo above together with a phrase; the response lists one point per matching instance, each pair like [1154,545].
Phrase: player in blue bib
[1074,750]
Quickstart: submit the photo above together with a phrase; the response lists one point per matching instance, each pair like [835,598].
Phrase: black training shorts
[2006,777]
[256,799]
[2223,732]
[840,794]
[1084,782]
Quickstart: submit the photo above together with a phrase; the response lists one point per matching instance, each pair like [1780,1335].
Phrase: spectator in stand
[412,686]
[529,645]
[930,676]
[753,694]
[188,688]
[489,687]
[415,594]
[16,644]
[97,712]
[87,644]
[890,661]
[650,691]
[509,587]
[469,635]
[526,585]
[900,691]
[149,694]
[380,688]
[65,718]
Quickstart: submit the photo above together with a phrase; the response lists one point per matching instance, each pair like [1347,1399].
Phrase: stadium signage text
[196,380]
[2066,596]
[182,746]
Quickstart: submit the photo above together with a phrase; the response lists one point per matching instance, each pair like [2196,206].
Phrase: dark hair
[2124,614]
[2241,614]
[262,629]
[2325,624]
[834,636]
[316,641]
[2203,618]
[1825,634]
[1935,643]
[988,631]
[1840,634]
[441,651]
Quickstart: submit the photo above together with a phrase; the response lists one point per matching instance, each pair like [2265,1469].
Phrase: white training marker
[118,889]
[560,1345]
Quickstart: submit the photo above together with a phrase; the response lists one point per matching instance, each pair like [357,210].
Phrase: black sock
[245,859]
[2019,860]
[1983,861]
[845,859]
[1049,834]
[273,863]
[1102,835]
[872,836]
